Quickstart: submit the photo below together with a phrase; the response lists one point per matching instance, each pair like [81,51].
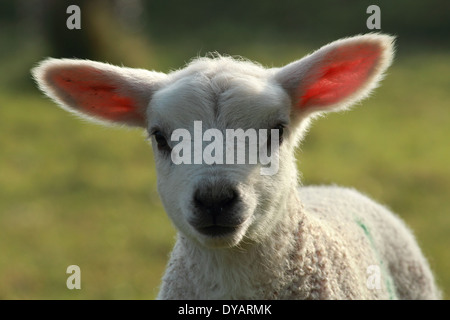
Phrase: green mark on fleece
[388,281]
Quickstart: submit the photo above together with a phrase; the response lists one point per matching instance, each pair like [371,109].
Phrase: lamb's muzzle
[216,209]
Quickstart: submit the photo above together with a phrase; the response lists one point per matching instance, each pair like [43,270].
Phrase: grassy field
[76,193]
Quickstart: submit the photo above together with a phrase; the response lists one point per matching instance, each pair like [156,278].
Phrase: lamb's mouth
[217,230]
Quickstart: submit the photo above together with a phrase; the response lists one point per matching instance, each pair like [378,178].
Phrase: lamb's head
[223,130]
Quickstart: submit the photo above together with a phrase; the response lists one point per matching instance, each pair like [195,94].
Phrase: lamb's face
[220,202]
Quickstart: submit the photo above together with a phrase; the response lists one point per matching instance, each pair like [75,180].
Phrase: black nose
[213,201]
[216,209]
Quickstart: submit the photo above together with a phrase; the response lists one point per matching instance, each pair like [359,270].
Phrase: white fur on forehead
[221,91]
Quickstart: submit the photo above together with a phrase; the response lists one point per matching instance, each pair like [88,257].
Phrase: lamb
[242,234]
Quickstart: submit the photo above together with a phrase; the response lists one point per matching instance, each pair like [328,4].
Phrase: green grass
[76,193]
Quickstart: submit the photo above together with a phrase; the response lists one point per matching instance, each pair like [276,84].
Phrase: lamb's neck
[248,270]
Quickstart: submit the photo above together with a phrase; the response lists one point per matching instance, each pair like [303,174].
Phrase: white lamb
[241,234]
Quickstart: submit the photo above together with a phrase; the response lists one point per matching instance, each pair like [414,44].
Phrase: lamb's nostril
[227,199]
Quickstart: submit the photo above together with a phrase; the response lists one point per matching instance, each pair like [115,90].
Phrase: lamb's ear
[338,74]
[99,91]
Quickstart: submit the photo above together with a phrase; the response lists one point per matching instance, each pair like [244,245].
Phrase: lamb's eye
[161,141]
[280,129]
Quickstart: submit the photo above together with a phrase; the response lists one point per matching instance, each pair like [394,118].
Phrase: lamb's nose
[215,200]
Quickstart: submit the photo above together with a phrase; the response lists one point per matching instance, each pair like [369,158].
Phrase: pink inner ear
[342,72]
[96,96]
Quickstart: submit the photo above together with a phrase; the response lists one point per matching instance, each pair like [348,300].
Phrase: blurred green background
[72,192]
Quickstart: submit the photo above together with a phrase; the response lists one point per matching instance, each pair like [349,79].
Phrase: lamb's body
[334,241]
[242,233]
